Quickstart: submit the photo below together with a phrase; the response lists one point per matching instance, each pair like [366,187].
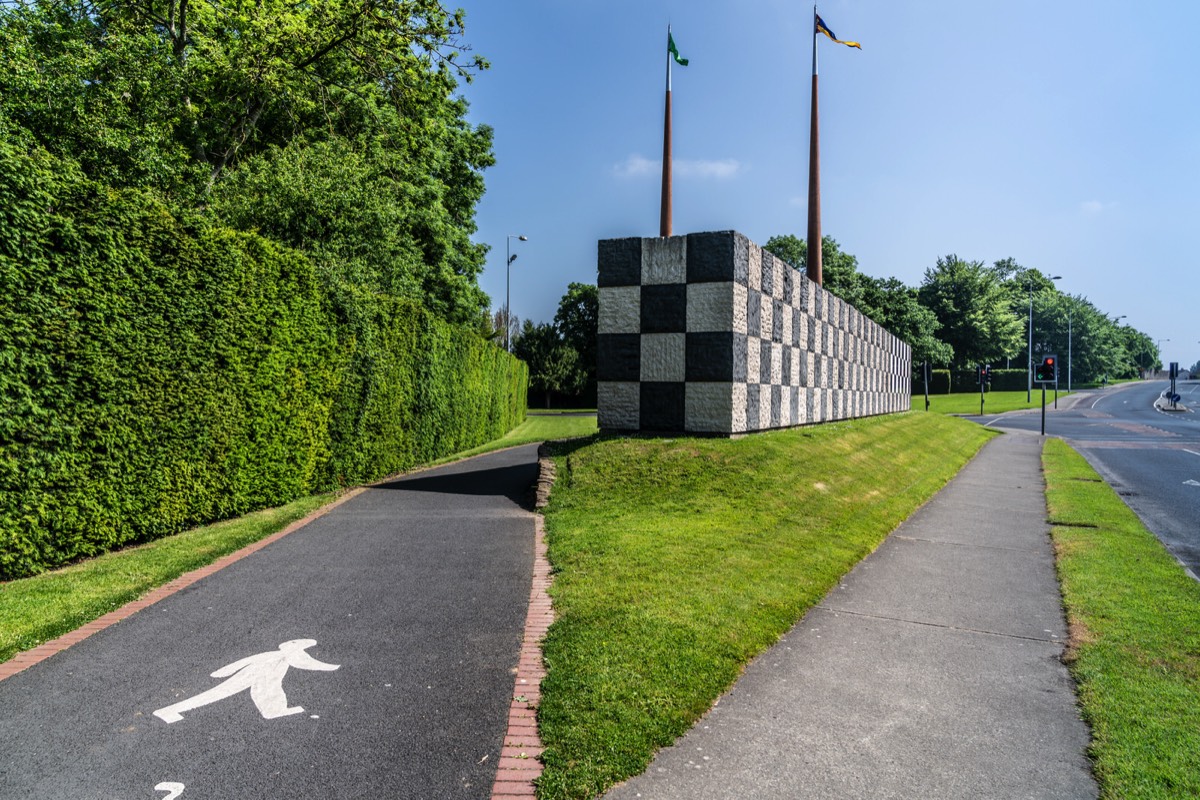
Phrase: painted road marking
[1191,483]
[1193,452]
[262,674]
[173,790]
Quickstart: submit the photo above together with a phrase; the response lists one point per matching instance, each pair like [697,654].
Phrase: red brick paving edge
[519,764]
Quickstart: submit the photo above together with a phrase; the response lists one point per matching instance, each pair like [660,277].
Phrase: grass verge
[994,402]
[1134,651]
[678,560]
[35,610]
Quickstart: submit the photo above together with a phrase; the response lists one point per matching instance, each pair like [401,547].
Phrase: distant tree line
[966,313]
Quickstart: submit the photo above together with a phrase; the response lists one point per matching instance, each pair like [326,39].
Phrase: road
[369,654]
[1150,457]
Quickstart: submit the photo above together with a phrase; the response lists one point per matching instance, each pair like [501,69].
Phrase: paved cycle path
[368,654]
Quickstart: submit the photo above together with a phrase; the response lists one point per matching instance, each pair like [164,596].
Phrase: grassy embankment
[1134,616]
[677,560]
[34,610]
[994,402]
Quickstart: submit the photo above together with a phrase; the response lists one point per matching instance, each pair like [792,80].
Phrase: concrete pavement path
[369,654]
[932,671]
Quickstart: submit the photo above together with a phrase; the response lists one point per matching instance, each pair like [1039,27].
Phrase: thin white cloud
[1094,207]
[637,166]
[721,169]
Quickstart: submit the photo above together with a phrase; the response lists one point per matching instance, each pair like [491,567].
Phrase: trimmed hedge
[943,381]
[158,371]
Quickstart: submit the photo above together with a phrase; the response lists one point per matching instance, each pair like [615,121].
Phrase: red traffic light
[1049,362]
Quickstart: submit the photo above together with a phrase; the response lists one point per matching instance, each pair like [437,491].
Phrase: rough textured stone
[620,309]
[620,262]
[619,405]
[714,309]
[663,357]
[664,260]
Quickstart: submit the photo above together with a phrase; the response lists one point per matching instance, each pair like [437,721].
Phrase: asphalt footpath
[932,671]
[370,653]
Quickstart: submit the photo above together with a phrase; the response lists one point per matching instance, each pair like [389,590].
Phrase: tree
[972,308]
[839,270]
[341,112]
[578,322]
[897,308]
[553,365]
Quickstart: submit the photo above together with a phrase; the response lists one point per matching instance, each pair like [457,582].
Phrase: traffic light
[983,375]
[1047,371]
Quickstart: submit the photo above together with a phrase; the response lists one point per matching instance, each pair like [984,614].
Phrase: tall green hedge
[158,371]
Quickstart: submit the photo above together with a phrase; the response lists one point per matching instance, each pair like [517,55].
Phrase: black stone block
[720,256]
[776,406]
[739,360]
[764,362]
[787,365]
[768,273]
[662,406]
[619,357]
[710,357]
[753,392]
[664,308]
[777,321]
[619,262]
[753,314]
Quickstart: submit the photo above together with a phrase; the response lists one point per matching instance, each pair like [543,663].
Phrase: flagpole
[814,177]
[664,227]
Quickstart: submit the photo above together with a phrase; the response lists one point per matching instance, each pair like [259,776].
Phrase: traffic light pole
[1043,409]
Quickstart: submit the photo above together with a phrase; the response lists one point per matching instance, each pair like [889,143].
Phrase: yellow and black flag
[822,28]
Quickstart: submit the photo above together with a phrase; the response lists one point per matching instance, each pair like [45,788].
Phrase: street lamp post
[1068,349]
[510,257]
[1029,364]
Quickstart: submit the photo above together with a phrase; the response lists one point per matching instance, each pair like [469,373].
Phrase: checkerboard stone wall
[709,333]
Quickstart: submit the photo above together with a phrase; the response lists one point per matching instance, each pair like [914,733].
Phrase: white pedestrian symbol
[262,675]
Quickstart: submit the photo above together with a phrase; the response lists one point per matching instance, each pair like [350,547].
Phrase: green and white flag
[673,50]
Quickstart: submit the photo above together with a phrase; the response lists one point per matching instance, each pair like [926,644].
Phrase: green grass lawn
[678,560]
[994,402]
[1134,651]
[34,610]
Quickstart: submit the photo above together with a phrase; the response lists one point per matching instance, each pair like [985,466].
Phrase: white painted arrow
[1191,483]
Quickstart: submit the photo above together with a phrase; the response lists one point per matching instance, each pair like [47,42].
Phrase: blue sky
[1065,135]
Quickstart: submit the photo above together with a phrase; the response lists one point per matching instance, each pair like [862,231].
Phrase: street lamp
[511,257]
[1156,346]
[1029,364]
[1068,349]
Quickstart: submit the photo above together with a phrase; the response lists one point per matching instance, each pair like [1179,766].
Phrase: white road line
[1193,452]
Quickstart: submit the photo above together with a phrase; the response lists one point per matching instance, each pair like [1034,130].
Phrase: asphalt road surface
[1150,457]
[368,655]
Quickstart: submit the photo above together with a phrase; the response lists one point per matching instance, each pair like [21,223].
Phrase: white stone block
[739,408]
[664,260]
[709,407]
[776,364]
[755,277]
[712,307]
[664,356]
[620,309]
[739,309]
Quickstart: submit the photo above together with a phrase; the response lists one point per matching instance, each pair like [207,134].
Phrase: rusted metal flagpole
[814,177]
[664,227]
